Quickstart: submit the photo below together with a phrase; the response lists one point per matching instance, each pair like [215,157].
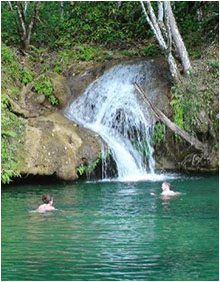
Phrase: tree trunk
[25,25]
[24,44]
[165,30]
[173,67]
[177,38]
[162,32]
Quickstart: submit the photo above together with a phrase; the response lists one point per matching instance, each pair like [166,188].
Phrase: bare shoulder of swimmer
[41,208]
[44,208]
[170,193]
[47,206]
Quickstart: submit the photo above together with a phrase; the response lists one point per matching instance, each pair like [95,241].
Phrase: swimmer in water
[166,192]
[47,204]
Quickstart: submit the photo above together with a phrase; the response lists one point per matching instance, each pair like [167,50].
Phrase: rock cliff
[53,145]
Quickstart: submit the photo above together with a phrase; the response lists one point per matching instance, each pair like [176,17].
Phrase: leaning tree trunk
[173,67]
[193,141]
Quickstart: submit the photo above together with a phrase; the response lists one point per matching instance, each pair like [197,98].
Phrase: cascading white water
[109,107]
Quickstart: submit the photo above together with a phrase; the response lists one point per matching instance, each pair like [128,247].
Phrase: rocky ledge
[56,146]
[53,145]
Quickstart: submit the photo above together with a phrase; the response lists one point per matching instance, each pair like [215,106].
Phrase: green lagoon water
[112,231]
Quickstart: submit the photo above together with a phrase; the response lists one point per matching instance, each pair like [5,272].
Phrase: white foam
[144,178]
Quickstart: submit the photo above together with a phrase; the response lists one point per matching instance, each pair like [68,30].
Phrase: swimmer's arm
[52,209]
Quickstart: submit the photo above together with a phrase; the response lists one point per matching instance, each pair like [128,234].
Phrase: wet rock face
[56,146]
[161,80]
[53,145]
[80,77]
[156,85]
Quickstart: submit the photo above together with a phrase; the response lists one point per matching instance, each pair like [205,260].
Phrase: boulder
[56,146]
[61,89]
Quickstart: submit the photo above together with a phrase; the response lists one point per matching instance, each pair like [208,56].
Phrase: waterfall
[110,107]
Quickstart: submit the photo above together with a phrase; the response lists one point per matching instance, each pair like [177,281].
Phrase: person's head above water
[165,186]
[47,199]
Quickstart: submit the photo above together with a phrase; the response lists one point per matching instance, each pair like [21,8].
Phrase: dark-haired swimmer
[47,204]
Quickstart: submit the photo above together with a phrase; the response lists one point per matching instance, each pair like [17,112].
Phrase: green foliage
[88,168]
[10,69]
[196,54]
[178,112]
[198,21]
[196,95]
[26,76]
[57,66]
[9,33]
[131,52]
[158,134]
[6,54]
[43,85]
[85,53]
[184,107]
[83,22]
[105,23]
[65,56]
[13,73]
[33,50]
[214,67]
[92,165]
[81,169]
[151,50]
[11,129]
[108,23]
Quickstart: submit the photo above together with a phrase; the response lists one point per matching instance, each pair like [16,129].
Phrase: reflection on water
[112,231]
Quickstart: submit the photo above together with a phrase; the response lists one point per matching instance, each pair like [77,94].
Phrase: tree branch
[172,126]
[26,6]
[160,11]
[21,18]
[33,19]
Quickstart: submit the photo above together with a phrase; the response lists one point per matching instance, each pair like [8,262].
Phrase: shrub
[26,76]
[6,54]
[85,53]
[44,86]
[158,133]
[12,129]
